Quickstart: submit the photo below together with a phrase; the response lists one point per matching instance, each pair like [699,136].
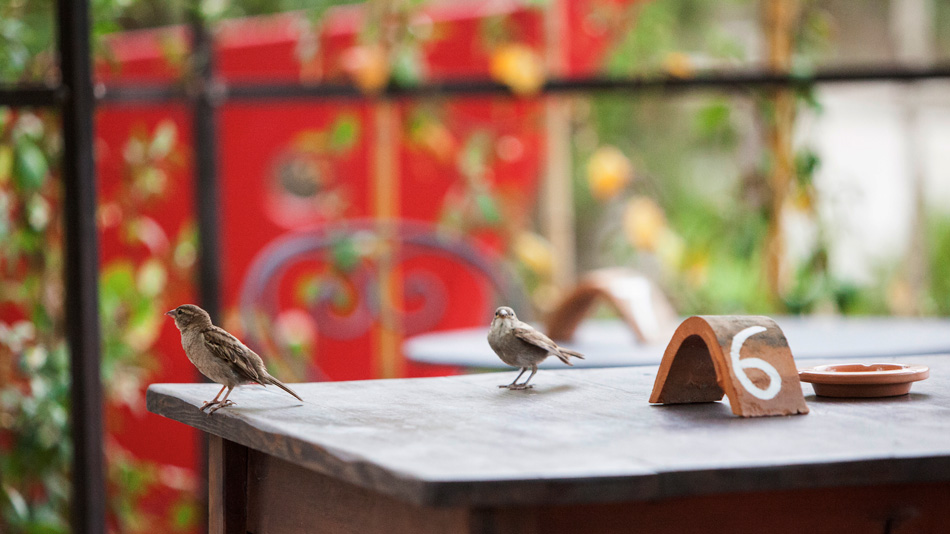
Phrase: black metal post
[207,199]
[81,269]
[737,81]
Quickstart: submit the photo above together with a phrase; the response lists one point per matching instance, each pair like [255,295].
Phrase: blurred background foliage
[675,186]
[35,447]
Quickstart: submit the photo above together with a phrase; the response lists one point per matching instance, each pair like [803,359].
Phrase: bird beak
[170,313]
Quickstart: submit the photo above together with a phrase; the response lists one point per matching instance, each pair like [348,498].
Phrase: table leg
[227,486]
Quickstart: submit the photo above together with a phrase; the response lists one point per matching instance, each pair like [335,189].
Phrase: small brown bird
[219,355]
[518,344]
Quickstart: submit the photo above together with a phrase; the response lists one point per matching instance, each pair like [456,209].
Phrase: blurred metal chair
[335,272]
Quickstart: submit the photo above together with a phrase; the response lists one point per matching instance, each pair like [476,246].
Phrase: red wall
[260,140]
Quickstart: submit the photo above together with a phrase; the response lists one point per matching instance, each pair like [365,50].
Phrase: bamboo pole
[557,196]
[386,200]
[780,21]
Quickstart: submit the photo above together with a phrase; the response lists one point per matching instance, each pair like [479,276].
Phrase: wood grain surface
[284,498]
[581,436]
[227,487]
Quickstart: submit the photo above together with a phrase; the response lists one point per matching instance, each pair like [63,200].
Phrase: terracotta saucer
[863,380]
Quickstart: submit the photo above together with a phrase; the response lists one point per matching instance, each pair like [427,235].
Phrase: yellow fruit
[6,163]
[803,199]
[535,253]
[608,172]
[670,248]
[368,66]
[519,67]
[644,223]
[678,65]
[696,268]
[438,140]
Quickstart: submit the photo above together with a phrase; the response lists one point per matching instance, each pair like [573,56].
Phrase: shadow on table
[910,397]
[698,412]
[540,390]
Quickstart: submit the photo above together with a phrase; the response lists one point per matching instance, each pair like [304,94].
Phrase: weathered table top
[609,343]
[582,435]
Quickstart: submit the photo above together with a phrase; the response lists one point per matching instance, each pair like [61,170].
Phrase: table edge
[549,491]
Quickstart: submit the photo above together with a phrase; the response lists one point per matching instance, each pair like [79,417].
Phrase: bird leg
[514,383]
[509,386]
[213,401]
[224,402]
[524,385]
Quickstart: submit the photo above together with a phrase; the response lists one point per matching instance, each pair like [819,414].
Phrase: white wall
[872,140]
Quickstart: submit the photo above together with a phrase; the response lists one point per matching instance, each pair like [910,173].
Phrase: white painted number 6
[775,381]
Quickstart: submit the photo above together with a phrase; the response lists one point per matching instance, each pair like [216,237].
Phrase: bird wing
[533,337]
[227,347]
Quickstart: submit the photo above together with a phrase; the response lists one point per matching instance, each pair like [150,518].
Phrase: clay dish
[863,380]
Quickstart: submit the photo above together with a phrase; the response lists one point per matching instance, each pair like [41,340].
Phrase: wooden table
[582,452]
[609,343]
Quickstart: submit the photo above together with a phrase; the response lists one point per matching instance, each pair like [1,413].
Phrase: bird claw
[220,405]
[517,387]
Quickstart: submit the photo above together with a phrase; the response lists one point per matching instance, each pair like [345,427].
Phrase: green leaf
[20,509]
[164,140]
[116,288]
[151,278]
[474,154]
[308,290]
[713,117]
[184,515]
[806,163]
[713,124]
[809,96]
[38,212]
[344,133]
[31,166]
[408,67]
[118,278]
[344,254]
[488,208]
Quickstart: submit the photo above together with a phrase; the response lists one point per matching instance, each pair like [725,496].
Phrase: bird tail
[278,383]
[563,354]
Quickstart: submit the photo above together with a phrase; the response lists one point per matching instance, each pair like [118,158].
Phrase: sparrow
[219,355]
[518,344]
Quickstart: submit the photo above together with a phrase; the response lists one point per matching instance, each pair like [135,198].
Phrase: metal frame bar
[136,94]
[207,204]
[88,504]
[733,81]
[20,96]
[207,201]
